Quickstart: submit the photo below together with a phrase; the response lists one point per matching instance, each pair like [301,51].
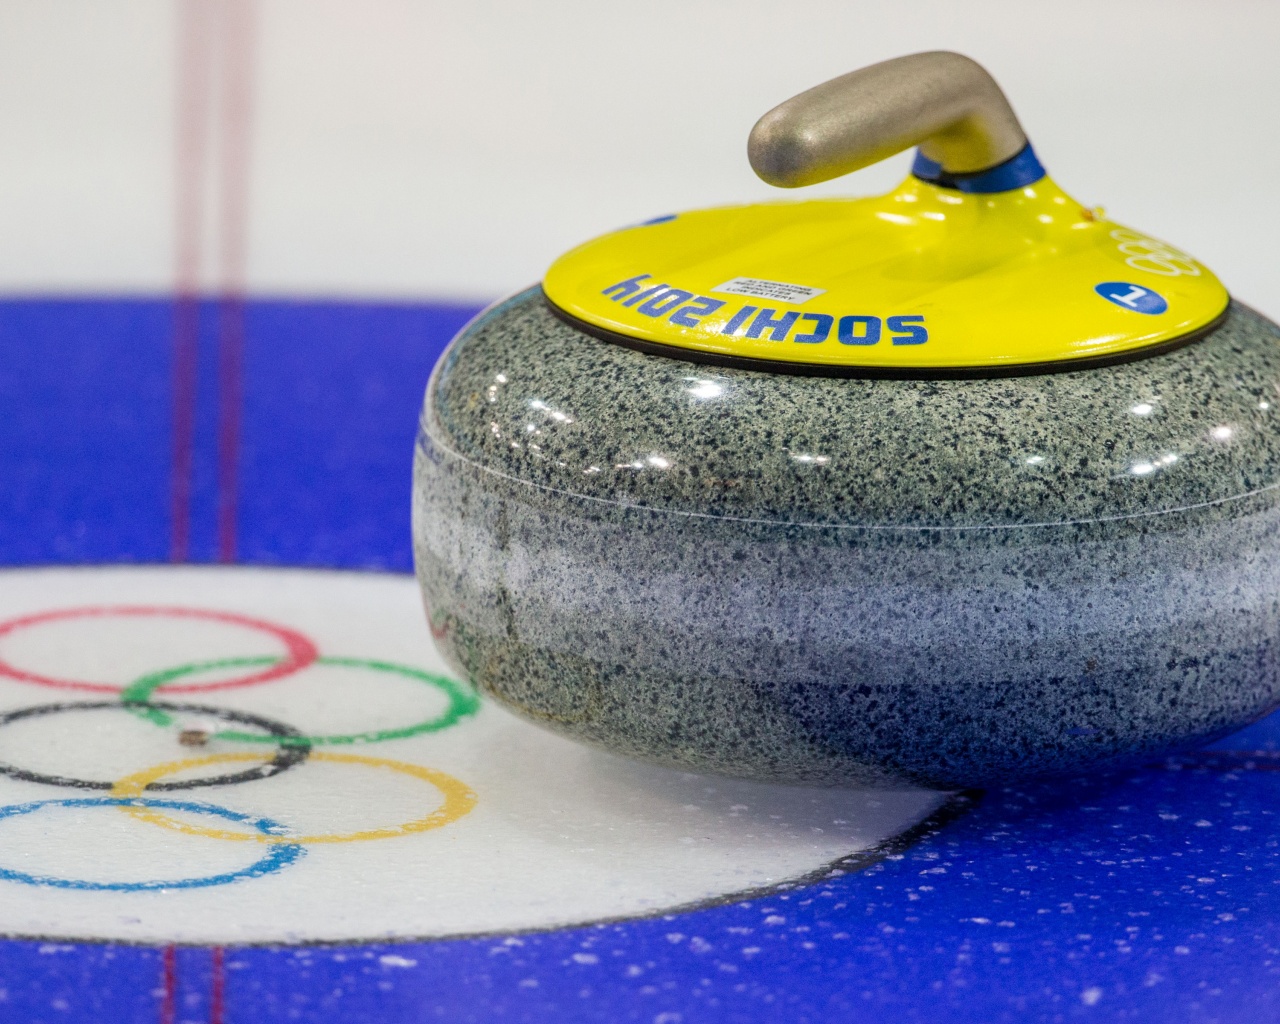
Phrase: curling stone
[946,487]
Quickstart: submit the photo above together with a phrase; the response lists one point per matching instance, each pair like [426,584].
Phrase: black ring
[288,755]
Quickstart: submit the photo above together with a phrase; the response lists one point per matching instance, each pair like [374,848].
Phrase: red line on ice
[237,124]
[217,985]
[169,986]
[194,55]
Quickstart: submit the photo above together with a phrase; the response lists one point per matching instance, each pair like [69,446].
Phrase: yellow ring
[458,799]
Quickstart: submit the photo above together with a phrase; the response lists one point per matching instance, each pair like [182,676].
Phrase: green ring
[462,701]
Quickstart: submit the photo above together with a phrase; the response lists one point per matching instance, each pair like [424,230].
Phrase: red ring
[302,652]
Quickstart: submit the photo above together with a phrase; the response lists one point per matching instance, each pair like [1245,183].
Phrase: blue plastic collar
[1018,171]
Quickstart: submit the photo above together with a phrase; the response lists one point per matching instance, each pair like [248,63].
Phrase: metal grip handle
[943,102]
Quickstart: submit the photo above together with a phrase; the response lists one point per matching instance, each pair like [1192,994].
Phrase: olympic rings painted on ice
[281,854]
[293,747]
[301,651]
[458,799]
[462,701]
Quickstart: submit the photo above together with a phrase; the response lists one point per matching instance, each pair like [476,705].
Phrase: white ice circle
[560,834]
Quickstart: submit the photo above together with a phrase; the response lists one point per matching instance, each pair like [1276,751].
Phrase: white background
[415,149]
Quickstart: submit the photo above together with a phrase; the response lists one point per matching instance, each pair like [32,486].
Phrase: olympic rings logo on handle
[1154,256]
[132,795]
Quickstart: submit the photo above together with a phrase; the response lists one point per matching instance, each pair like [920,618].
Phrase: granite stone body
[893,582]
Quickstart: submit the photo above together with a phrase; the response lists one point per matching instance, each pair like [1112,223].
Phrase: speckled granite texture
[943,583]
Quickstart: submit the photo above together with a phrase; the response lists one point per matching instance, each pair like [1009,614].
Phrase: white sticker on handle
[778,291]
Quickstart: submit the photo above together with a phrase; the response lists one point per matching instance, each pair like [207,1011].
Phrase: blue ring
[280,855]
[1019,171]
